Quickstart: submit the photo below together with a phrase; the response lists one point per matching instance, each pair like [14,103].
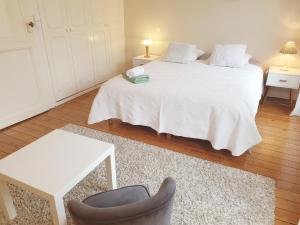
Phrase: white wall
[265,25]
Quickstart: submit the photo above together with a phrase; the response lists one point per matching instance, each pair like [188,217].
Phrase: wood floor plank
[279,222]
[278,156]
[273,166]
[7,149]
[288,205]
[17,143]
[287,195]
[287,216]
[19,135]
[22,129]
[49,122]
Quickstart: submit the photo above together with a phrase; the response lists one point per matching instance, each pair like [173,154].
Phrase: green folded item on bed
[138,79]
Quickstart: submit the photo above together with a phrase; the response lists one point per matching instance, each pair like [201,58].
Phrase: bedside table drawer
[283,81]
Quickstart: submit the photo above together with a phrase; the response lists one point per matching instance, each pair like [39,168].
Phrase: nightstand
[283,78]
[141,59]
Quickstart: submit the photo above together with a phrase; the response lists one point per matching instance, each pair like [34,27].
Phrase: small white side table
[283,78]
[142,60]
[51,166]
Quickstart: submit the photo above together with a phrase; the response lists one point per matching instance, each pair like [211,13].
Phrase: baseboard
[77,95]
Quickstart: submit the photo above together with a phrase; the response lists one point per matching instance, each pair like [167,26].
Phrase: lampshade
[147,42]
[289,48]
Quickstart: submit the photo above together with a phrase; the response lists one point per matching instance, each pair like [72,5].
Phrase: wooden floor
[277,157]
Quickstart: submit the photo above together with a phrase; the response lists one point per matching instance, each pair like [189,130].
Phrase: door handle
[29,26]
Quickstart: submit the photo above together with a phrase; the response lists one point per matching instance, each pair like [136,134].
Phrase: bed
[194,100]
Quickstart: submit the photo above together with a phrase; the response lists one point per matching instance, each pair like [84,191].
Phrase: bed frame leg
[250,151]
[110,122]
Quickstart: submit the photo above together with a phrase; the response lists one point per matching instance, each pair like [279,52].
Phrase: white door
[24,88]
[101,39]
[57,30]
[80,40]
[107,11]
[117,49]
[108,25]
[101,55]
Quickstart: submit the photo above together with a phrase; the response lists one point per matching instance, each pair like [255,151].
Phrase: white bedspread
[296,111]
[193,100]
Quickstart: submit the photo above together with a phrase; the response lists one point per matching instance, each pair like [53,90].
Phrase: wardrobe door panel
[24,90]
[107,11]
[54,14]
[11,21]
[62,67]
[82,58]
[107,21]
[56,30]
[19,75]
[101,56]
[80,41]
[98,11]
[117,50]
[77,13]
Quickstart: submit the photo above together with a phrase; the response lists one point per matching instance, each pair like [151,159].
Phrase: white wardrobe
[84,41]
[51,50]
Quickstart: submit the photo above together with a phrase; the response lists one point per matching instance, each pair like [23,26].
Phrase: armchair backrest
[156,210]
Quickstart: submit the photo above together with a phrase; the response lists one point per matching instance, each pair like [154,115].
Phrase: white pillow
[180,53]
[197,54]
[229,55]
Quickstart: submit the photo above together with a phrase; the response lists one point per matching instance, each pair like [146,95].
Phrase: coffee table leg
[110,169]
[58,211]
[6,201]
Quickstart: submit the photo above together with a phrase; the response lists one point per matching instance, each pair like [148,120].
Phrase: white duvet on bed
[193,100]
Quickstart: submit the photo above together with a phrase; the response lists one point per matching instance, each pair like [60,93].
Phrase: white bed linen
[296,111]
[193,100]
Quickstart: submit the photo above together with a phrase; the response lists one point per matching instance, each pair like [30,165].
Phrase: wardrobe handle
[31,24]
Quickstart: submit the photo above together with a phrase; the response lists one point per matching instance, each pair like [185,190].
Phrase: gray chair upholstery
[126,206]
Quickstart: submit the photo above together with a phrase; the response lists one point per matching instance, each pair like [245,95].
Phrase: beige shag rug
[207,193]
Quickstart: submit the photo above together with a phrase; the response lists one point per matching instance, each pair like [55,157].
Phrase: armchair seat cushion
[118,197]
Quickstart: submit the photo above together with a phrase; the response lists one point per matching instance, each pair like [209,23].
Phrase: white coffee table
[52,166]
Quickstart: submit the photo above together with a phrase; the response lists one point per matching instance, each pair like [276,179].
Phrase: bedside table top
[284,71]
[152,57]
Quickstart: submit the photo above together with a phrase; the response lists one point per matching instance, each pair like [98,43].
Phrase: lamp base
[147,52]
[285,67]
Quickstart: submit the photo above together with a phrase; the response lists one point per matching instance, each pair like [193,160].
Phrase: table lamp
[147,44]
[289,48]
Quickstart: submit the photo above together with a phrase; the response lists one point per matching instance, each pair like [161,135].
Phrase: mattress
[194,100]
